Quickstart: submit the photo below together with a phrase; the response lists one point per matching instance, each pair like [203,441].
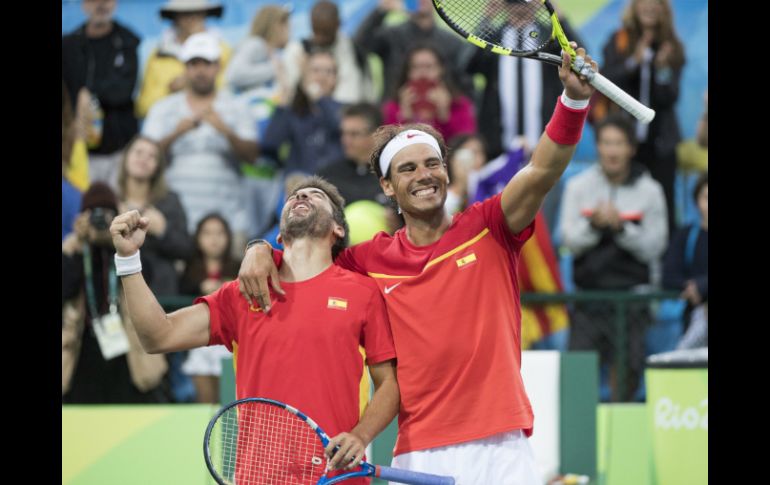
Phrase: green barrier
[134,444]
[579,391]
[623,445]
[677,413]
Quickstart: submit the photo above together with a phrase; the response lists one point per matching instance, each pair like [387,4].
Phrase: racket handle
[622,98]
[414,478]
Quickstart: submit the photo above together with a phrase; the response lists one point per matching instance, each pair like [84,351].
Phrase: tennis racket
[523,28]
[258,441]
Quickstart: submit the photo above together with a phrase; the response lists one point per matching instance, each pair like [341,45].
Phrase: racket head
[257,441]
[508,27]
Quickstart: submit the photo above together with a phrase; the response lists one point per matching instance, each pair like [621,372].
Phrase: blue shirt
[70,206]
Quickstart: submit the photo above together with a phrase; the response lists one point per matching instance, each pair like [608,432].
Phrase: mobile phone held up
[422,107]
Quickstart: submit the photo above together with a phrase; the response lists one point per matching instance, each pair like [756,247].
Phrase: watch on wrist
[254,242]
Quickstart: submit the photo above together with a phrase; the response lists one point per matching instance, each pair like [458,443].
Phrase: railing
[617,310]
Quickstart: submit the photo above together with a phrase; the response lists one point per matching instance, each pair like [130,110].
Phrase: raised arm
[525,192]
[158,332]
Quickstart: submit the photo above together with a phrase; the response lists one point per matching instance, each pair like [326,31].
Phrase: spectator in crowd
[99,65]
[76,170]
[256,63]
[210,267]
[692,159]
[257,74]
[467,154]
[702,131]
[70,195]
[354,82]
[142,186]
[613,220]
[351,175]
[392,42]
[645,58]
[206,134]
[426,93]
[686,268]
[164,72]
[94,372]
[310,121]
[211,263]
[518,94]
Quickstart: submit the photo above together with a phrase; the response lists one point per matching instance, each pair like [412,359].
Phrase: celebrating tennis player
[306,350]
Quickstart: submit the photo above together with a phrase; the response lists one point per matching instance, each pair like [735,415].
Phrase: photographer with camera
[102,361]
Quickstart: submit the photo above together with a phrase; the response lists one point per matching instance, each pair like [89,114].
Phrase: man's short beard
[314,226]
[202,90]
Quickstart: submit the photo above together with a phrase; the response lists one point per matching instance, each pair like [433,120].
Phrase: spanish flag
[539,272]
[337,303]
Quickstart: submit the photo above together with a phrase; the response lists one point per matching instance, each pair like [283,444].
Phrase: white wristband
[128,265]
[573,103]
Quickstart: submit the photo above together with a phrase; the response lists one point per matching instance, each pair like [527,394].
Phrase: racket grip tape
[622,98]
[414,478]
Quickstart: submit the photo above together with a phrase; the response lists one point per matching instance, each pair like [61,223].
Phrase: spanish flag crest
[337,303]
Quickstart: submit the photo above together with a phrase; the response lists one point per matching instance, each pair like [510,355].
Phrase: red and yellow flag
[539,273]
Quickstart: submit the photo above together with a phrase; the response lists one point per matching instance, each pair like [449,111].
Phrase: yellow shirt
[77,170]
[161,70]
[692,157]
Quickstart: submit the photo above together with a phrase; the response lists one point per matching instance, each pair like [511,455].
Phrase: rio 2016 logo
[670,415]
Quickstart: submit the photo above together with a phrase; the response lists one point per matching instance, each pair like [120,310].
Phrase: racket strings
[524,26]
[262,444]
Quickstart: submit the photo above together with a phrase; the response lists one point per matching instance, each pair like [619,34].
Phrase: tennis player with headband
[306,351]
[451,290]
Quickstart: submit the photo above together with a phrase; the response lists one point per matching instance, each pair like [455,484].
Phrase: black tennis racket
[258,441]
[523,28]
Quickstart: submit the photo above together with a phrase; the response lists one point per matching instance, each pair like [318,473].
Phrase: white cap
[202,45]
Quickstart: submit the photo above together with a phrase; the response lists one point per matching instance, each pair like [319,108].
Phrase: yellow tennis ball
[365,219]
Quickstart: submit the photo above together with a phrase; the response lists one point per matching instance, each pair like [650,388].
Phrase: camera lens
[99,219]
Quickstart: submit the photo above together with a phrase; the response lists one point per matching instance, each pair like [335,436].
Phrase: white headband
[403,140]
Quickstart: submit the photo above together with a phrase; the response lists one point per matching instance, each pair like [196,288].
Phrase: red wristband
[566,125]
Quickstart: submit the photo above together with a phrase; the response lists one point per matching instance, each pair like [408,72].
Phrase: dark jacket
[160,253]
[663,132]
[113,82]
[676,271]
[314,138]
[490,111]
[355,182]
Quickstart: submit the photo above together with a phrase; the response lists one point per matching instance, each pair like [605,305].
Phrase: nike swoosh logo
[411,135]
[388,289]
